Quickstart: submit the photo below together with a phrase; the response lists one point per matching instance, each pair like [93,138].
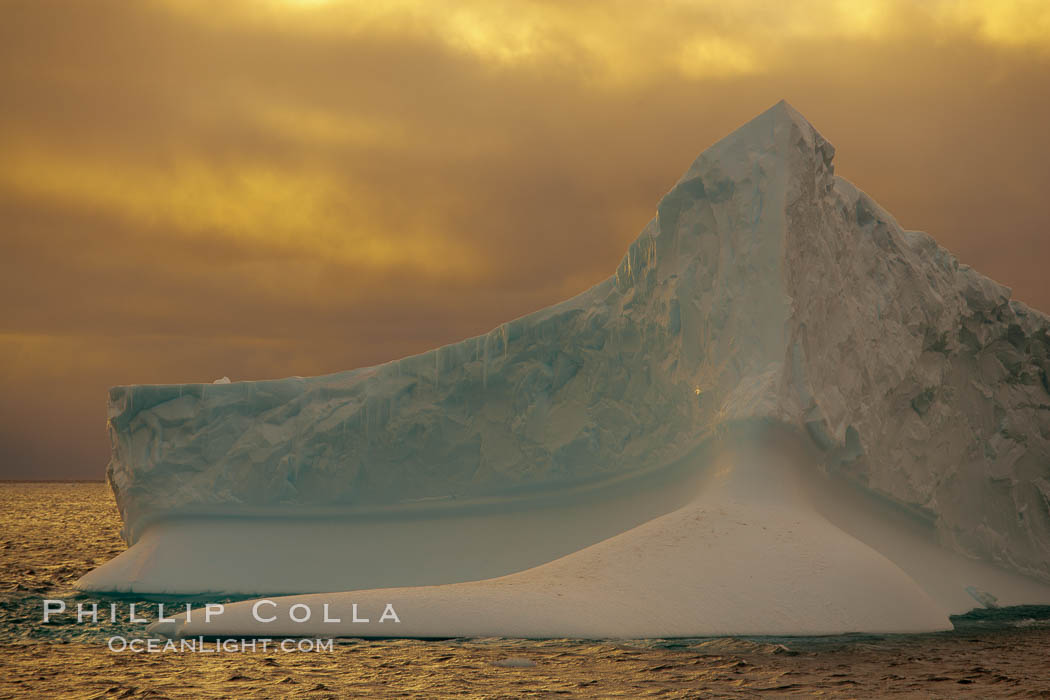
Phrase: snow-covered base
[426,543]
[752,552]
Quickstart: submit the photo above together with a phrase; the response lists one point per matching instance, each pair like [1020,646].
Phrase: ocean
[55,532]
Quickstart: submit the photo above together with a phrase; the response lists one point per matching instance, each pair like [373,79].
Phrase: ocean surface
[52,533]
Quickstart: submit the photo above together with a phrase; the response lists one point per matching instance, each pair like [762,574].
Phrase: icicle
[485,365]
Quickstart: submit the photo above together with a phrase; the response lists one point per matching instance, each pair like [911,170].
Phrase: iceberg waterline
[766,289]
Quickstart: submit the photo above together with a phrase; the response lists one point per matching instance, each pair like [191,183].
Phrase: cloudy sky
[262,188]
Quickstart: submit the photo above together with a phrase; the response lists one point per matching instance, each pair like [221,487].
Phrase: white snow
[755,551]
[765,289]
[746,556]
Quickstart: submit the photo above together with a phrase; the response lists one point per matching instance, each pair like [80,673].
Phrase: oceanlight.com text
[200,645]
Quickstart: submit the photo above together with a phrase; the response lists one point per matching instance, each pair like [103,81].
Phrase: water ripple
[54,533]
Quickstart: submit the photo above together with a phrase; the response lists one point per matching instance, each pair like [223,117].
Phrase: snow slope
[747,555]
[766,288]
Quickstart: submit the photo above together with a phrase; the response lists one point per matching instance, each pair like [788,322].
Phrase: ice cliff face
[765,288]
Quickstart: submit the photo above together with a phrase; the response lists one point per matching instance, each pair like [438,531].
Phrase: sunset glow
[191,189]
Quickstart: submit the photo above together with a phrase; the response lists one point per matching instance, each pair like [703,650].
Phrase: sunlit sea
[52,533]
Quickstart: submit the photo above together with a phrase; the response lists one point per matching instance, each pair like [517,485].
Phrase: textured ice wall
[921,376]
[765,287]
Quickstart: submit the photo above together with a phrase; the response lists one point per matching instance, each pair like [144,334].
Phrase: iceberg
[783,414]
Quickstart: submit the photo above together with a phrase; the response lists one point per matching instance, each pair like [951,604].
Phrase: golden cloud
[262,188]
[621,42]
[248,201]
